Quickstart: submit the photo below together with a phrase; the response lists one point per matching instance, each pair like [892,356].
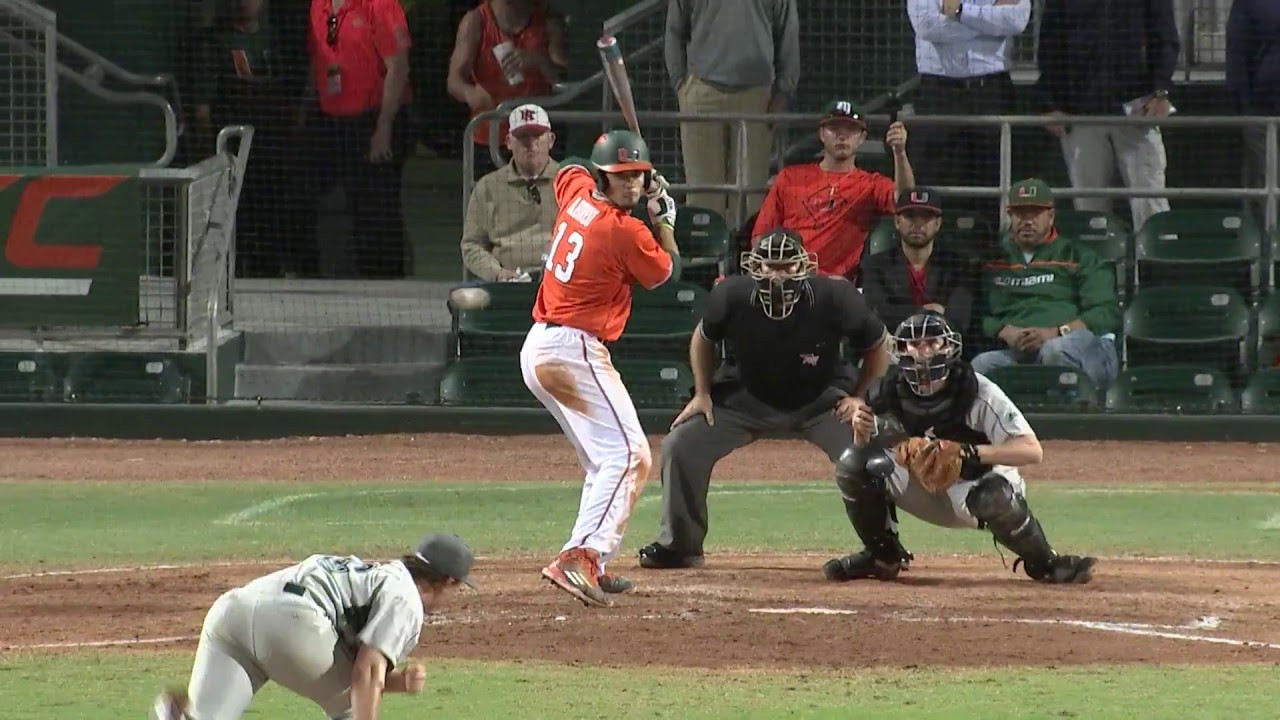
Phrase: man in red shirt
[833,204]
[359,53]
[598,251]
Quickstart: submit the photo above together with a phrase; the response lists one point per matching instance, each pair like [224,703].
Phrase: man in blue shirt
[963,54]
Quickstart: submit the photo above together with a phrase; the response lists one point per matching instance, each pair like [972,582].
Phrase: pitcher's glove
[936,464]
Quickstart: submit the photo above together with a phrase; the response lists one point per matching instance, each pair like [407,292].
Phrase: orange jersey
[597,252]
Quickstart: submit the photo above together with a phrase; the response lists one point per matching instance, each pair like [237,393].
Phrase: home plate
[802,611]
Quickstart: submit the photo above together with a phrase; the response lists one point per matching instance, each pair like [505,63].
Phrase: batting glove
[658,185]
[662,210]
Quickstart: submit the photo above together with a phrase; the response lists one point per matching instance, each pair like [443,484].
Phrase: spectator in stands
[1110,58]
[242,81]
[1050,301]
[359,53]
[917,275]
[833,203]
[964,51]
[512,209]
[730,57]
[505,49]
[1253,76]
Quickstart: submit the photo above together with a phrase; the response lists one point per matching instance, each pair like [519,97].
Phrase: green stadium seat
[1185,240]
[967,232]
[29,378]
[125,378]
[1047,388]
[1262,395]
[500,328]
[1269,331]
[1197,323]
[702,236]
[883,236]
[1176,389]
[1101,232]
[497,382]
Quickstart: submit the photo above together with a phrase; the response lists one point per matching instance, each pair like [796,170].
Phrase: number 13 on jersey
[564,270]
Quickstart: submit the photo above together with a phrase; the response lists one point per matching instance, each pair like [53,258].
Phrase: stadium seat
[702,236]
[1046,388]
[1102,233]
[497,382]
[1197,323]
[1269,331]
[29,378]
[125,378]
[498,329]
[883,236]
[1262,395]
[1176,389]
[967,232]
[1183,241]
[683,296]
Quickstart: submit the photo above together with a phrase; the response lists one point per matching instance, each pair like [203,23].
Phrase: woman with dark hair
[335,630]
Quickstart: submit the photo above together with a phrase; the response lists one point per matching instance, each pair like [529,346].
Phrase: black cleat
[861,565]
[658,557]
[1062,570]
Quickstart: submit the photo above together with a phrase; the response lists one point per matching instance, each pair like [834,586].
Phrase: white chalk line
[1271,523]
[102,643]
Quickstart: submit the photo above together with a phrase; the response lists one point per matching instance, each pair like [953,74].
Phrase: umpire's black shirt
[788,363]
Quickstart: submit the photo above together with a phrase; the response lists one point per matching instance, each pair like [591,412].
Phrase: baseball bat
[616,71]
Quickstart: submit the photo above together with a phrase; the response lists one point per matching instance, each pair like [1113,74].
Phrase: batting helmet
[619,151]
[781,268]
[927,349]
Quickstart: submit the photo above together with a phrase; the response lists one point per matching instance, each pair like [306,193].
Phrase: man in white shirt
[335,630]
[963,55]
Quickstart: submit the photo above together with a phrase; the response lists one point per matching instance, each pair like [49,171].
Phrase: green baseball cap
[1031,192]
[448,555]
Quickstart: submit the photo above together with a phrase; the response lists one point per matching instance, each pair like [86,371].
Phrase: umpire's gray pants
[692,448]
[250,637]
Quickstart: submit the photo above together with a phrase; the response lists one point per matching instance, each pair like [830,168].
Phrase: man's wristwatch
[1064,330]
[1160,94]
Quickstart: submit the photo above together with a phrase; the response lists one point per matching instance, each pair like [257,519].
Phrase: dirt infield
[759,610]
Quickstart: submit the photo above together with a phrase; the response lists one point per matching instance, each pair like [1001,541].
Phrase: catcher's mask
[781,268]
[926,348]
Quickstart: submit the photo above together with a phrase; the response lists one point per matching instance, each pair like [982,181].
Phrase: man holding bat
[598,251]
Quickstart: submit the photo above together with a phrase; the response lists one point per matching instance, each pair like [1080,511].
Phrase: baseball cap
[448,555]
[921,198]
[529,117]
[1031,192]
[838,110]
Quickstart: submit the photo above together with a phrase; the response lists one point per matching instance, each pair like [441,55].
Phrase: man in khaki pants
[737,56]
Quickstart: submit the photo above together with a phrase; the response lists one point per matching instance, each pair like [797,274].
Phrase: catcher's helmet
[781,268]
[619,151]
[926,349]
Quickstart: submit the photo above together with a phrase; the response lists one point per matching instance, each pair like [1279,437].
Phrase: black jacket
[949,281]
[1097,55]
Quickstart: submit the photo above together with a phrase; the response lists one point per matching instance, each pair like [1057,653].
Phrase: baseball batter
[784,325]
[943,443]
[598,251]
[333,629]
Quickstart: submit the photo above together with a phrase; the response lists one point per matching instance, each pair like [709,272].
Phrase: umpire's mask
[781,268]
[926,349]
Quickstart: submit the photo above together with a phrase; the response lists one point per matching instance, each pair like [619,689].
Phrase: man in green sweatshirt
[1049,300]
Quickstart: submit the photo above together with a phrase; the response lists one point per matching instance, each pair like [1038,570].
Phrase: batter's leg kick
[572,375]
[872,485]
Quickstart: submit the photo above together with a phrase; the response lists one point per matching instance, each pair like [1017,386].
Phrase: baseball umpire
[785,325]
[943,443]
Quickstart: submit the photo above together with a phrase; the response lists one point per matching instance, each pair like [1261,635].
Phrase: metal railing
[27,21]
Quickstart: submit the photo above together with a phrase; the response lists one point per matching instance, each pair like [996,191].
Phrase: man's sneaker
[861,565]
[576,571]
[660,557]
[1062,570]
[615,584]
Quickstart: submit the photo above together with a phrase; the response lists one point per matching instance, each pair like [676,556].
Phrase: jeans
[1094,356]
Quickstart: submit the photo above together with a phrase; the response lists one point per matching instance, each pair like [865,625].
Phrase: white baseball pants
[572,374]
[251,637]
[1094,152]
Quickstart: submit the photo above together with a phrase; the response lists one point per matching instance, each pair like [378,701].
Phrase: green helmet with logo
[620,151]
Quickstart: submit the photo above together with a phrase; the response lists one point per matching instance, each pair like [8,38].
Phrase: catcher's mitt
[935,464]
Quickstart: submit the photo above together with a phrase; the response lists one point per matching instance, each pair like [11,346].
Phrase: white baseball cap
[529,117]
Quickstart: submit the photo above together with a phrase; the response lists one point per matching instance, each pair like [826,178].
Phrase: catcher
[943,443]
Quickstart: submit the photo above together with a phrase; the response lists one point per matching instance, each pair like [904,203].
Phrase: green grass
[86,525]
[123,683]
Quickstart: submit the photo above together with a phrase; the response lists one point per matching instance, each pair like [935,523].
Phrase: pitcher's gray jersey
[372,603]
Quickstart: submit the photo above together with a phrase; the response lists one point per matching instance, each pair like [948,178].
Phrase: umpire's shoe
[660,557]
[1061,570]
[861,565]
